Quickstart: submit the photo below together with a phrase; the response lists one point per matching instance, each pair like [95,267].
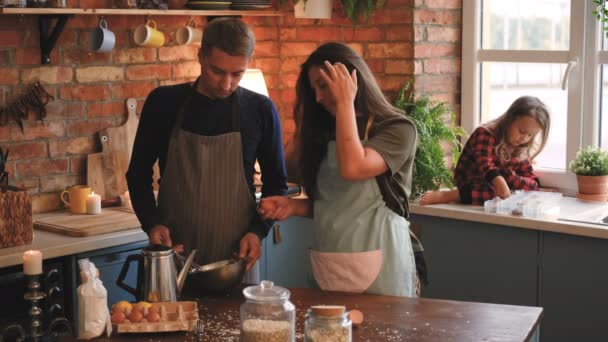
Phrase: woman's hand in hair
[342,84]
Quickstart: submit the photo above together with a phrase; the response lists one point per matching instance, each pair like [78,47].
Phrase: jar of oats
[327,323]
[267,314]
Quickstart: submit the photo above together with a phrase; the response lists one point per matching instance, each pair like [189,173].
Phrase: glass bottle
[327,323]
[267,314]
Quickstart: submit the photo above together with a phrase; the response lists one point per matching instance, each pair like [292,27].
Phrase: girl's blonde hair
[524,106]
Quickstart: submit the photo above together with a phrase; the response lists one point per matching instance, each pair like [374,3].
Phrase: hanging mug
[148,35]
[189,34]
[102,39]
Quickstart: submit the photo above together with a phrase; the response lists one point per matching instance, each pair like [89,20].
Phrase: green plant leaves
[434,134]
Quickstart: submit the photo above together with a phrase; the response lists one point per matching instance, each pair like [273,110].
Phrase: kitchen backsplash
[409,39]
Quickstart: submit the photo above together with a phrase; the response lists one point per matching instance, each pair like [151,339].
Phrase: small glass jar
[267,314]
[327,325]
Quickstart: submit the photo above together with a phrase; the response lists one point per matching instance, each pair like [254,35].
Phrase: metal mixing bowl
[221,275]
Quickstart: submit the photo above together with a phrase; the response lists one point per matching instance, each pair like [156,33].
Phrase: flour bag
[93,313]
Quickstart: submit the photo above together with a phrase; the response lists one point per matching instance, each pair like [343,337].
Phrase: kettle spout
[181,277]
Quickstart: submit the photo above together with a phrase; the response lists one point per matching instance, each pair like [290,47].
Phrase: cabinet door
[286,263]
[573,288]
[479,262]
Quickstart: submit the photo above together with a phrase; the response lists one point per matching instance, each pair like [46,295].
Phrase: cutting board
[87,225]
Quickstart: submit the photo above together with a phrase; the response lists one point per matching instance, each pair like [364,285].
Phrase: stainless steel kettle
[157,277]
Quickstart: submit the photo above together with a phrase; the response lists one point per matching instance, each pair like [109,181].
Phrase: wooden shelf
[118,11]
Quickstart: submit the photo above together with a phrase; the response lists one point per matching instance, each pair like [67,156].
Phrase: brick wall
[408,39]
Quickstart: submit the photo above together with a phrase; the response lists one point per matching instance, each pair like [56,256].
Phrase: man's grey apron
[359,245]
[203,197]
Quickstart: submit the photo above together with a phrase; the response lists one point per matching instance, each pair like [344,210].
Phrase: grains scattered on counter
[260,330]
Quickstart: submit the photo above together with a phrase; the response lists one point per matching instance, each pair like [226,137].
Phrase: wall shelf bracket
[48,38]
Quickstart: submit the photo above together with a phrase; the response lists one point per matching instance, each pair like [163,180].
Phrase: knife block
[16,226]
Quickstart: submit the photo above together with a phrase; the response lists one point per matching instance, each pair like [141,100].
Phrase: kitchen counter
[386,318]
[56,245]
[569,207]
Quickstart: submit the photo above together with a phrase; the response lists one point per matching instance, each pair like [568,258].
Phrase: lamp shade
[254,81]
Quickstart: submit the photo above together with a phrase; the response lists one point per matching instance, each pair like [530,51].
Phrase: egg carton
[531,204]
[170,323]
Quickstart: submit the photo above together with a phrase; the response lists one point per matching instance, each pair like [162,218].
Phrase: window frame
[583,87]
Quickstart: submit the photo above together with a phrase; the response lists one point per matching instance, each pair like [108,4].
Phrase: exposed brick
[72,146]
[78,164]
[292,64]
[45,202]
[148,72]
[85,92]
[441,66]
[435,50]
[5,133]
[31,56]
[134,55]
[60,182]
[42,167]
[368,34]
[265,33]
[431,17]
[178,53]
[79,57]
[319,33]
[80,128]
[402,33]
[5,57]
[393,50]
[47,74]
[32,184]
[437,84]
[376,65]
[11,38]
[63,109]
[267,48]
[104,109]
[393,16]
[190,70]
[28,150]
[132,89]
[444,34]
[289,126]
[9,76]
[39,130]
[401,67]
[444,4]
[268,65]
[287,33]
[390,82]
[297,49]
[99,74]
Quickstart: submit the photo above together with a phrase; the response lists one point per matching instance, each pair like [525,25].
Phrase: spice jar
[267,314]
[327,323]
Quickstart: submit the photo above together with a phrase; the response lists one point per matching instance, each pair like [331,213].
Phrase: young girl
[496,158]
[355,155]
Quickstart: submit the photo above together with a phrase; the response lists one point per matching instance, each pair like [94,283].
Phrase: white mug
[102,39]
[189,34]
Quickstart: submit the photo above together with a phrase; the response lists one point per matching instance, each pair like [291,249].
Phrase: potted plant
[434,135]
[355,9]
[591,168]
[322,9]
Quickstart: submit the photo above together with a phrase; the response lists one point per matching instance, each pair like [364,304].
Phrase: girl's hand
[341,84]
[275,208]
[501,186]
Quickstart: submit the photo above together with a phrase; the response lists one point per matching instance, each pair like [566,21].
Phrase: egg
[118,317]
[153,316]
[136,316]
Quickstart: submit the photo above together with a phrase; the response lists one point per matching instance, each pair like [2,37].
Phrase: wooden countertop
[387,318]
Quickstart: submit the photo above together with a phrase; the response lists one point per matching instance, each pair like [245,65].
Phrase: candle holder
[36,331]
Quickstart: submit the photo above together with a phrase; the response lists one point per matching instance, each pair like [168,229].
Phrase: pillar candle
[32,262]
[93,204]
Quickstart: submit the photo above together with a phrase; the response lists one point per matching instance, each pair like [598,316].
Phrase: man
[207,137]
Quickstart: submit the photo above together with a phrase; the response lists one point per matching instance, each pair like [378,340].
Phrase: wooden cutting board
[108,221]
[106,173]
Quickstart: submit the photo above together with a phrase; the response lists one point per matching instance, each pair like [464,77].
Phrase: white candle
[93,204]
[32,262]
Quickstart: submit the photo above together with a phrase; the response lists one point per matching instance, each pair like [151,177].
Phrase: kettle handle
[123,273]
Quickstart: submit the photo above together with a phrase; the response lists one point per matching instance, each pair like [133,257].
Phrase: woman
[356,154]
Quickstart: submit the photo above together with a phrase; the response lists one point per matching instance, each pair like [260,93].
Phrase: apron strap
[368,125]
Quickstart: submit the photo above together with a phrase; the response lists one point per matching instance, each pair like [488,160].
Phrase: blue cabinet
[563,274]
[286,263]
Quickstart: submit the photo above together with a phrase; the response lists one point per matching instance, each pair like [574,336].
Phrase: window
[539,48]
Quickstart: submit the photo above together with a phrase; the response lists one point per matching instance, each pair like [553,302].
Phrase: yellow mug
[76,198]
[148,35]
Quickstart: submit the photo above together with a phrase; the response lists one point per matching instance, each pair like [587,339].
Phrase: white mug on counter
[189,34]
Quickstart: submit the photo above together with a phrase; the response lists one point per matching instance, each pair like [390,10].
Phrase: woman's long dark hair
[315,125]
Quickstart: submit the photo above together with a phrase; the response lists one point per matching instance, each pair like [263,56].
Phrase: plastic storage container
[267,314]
[327,323]
[531,204]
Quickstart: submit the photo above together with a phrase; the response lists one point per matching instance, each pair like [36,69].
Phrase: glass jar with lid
[327,323]
[267,314]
